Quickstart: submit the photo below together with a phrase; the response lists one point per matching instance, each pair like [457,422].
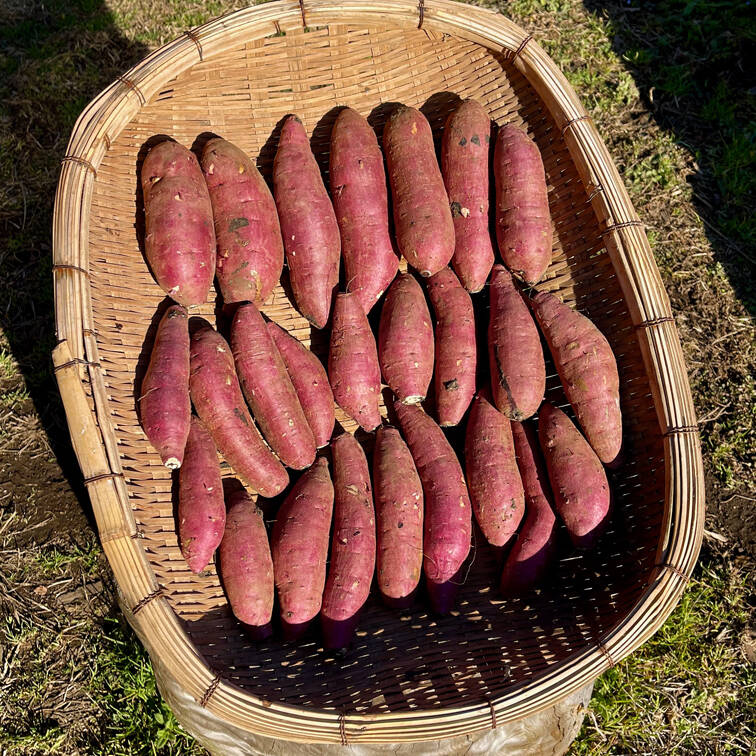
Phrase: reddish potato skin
[464,163]
[310,382]
[269,390]
[581,490]
[164,405]
[523,222]
[422,219]
[518,370]
[588,371]
[218,399]
[299,545]
[250,249]
[353,369]
[353,543]
[456,350]
[493,479]
[246,565]
[201,510]
[535,547]
[360,199]
[308,223]
[447,524]
[179,239]
[399,519]
[405,340]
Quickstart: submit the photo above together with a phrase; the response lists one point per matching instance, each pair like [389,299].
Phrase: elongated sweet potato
[218,399]
[493,479]
[353,369]
[299,544]
[536,542]
[456,350]
[399,519]
[179,240]
[422,218]
[164,405]
[246,565]
[308,223]
[588,371]
[250,249]
[360,199]
[465,151]
[448,518]
[310,382]
[353,543]
[581,490]
[201,510]
[405,340]
[269,390]
[518,371]
[523,222]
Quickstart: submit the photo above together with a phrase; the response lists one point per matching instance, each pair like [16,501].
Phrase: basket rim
[93,438]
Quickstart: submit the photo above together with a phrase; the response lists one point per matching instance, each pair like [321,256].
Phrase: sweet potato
[464,163]
[456,351]
[405,340]
[246,565]
[353,369]
[422,218]
[447,524]
[201,510]
[310,382]
[518,371]
[588,371]
[164,405]
[535,546]
[493,479]
[523,222]
[581,490]
[360,199]
[218,399]
[269,390]
[353,543]
[308,223]
[399,519]
[179,240]
[250,249]
[299,544]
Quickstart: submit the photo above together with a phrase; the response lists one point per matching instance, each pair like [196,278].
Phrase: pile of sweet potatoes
[398,505]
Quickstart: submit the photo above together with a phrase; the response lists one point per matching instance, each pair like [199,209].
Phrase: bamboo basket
[409,676]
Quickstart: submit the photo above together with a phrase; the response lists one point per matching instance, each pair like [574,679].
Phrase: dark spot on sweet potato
[475,139]
[456,209]
[451,385]
[240,415]
[237,223]
[400,525]
[488,139]
[462,142]
[356,533]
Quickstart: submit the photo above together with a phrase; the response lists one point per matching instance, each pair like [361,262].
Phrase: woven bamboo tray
[410,676]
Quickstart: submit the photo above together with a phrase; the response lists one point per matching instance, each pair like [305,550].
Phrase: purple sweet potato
[179,240]
[164,405]
[360,199]
[250,249]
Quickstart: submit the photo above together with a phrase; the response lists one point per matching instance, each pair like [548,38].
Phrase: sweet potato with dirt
[581,490]
[405,340]
[422,219]
[299,545]
[360,199]
[310,382]
[250,250]
[588,371]
[269,390]
[308,223]
[465,149]
[218,399]
[179,238]
[523,222]
[456,350]
[164,405]
[518,370]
